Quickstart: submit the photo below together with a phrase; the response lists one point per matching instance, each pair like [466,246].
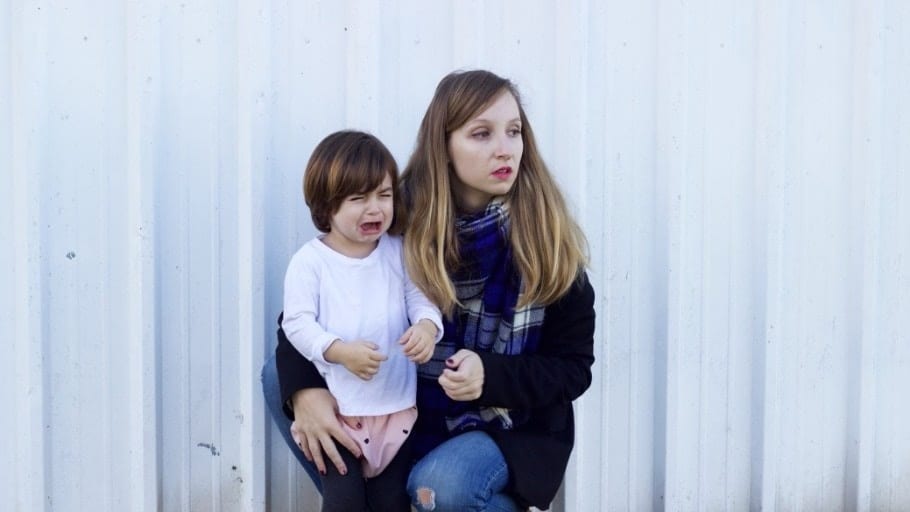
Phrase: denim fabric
[467,472]
[272,392]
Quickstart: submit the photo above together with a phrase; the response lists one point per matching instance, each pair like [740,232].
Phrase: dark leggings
[354,493]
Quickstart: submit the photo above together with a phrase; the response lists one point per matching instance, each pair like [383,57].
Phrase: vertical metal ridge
[143,77]
[771,108]
[10,386]
[866,163]
[363,44]
[891,459]
[113,256]
[586,482]
[671,72]
[221,253]
[28,113]
[572,96]
[767,157]
[252,132]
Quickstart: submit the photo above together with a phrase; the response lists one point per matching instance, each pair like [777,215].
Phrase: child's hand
[362,358]
[419,341]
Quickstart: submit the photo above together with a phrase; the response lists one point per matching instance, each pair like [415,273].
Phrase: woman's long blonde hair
[548,246]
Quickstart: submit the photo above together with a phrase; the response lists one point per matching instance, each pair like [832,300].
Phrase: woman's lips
[502,173]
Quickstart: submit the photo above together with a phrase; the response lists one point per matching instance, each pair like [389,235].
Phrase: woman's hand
[316,424]
[462,380]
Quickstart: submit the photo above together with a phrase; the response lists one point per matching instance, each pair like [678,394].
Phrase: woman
[489,239]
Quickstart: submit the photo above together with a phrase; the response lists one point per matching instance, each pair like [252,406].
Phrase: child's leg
[388,490]
[344,493]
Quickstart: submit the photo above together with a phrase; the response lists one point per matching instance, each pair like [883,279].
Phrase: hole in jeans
[426,498]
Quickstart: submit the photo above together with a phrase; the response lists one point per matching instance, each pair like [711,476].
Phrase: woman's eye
[355,198]
[480,135]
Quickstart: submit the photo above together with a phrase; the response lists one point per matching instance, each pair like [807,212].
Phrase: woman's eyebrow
[488,121]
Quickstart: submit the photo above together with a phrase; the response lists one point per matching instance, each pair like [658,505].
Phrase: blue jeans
[467,472]
[272,392]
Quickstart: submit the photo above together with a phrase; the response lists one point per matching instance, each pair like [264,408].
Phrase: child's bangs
[365,169]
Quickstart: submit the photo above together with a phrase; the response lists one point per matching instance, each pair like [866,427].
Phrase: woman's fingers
[316,428]
[463,379]
[317,447]
[313,446]
[352,421]
[341,436]
[461,391]
[301,440]
[331,451]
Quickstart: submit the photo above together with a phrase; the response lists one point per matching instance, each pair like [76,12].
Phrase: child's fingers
[406,336]
[424,349]
[421,352]
[412,349]
[367,372]
[377,357]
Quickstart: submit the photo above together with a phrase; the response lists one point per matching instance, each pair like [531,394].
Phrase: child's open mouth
[370,228]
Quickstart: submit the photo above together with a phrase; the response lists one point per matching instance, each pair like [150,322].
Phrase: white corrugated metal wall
[741,169]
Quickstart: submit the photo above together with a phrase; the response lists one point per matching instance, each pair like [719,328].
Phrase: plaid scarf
[487,284]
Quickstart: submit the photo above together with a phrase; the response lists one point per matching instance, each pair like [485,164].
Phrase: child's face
[361,220]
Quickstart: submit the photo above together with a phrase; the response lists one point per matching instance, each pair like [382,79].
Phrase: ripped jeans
[467,472]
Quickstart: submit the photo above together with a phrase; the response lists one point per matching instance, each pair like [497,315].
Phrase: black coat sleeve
[560,371]
[295,372]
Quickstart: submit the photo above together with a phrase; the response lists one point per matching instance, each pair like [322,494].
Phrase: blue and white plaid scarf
[487,284]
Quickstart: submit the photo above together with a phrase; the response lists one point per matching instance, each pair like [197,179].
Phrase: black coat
[545,383]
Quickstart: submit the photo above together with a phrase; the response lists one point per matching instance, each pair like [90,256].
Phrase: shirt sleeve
[301,308]
[419,306]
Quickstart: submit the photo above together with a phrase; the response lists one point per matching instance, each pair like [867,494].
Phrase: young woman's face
[486,152]
[361,220]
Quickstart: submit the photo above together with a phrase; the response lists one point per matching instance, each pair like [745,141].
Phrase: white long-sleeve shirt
[329,296]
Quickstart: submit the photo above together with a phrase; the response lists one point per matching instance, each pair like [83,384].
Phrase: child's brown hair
[345,163]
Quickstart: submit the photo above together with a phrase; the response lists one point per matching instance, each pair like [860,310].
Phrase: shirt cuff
[433,316]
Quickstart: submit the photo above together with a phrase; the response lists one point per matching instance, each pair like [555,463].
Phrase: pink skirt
[380,437]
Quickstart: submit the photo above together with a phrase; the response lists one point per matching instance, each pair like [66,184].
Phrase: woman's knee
[423,483]
[428,493]
[447,494]
[461,474]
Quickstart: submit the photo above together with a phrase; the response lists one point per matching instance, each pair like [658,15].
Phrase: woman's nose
[504,147]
